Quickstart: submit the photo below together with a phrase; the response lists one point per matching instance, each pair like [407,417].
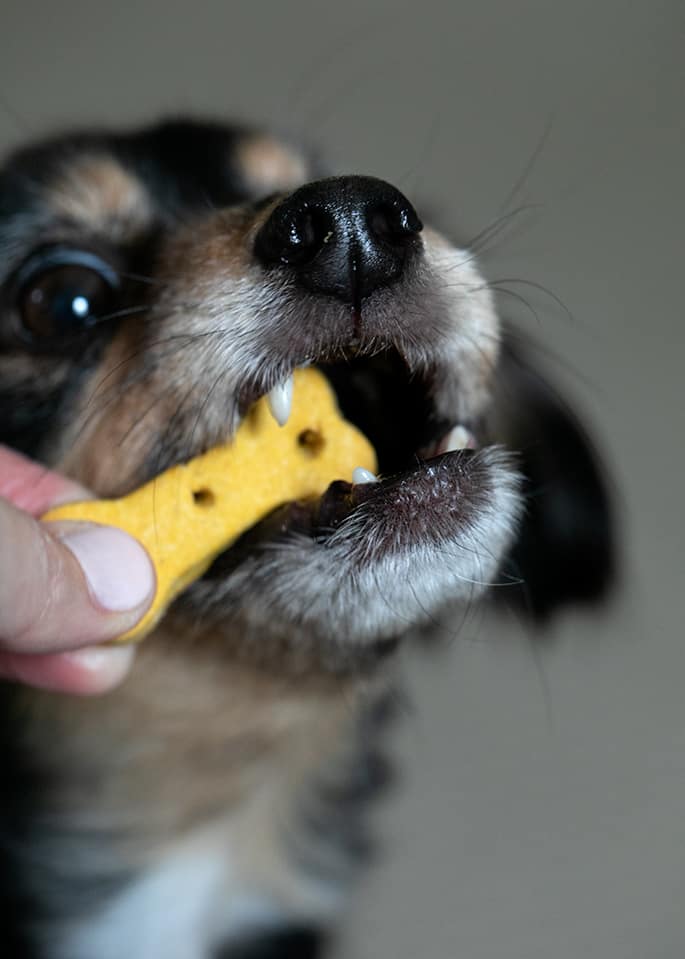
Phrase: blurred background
[542,809]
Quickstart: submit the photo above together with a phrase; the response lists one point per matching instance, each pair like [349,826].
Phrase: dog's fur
[211,805]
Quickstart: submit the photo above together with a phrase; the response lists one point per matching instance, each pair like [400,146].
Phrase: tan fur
[103,449]
[190,737]
[208,250]
[97,192]
[268,165]
[140,381]
[18,368]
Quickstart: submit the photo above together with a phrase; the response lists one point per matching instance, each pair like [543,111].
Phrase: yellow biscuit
[187,515]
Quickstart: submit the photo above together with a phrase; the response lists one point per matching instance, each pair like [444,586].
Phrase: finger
[65,585]
[84,672]
[33,487]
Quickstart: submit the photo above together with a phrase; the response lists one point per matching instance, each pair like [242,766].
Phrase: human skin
[65,588]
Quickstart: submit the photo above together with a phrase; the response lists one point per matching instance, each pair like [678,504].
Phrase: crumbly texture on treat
[189,514]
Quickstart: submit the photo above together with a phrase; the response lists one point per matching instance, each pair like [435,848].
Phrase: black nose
[343,236]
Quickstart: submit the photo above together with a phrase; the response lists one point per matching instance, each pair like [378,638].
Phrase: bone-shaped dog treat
[187,515]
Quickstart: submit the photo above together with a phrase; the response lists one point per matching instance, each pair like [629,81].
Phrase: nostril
[393,223]
[293,237]
[305,235]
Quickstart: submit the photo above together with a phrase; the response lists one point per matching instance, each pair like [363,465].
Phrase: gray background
[542,814]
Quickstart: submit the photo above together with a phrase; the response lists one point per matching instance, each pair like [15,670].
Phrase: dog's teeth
[280,401]
[458,438]
[360,475]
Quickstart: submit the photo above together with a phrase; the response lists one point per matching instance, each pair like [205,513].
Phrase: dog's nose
[344,236]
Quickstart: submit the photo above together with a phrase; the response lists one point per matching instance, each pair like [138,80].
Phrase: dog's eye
[63,292]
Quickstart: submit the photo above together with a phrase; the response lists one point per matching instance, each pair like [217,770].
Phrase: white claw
[280,401]
[458,438]
[361,475]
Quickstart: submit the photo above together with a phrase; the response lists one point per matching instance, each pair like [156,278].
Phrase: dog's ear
[565,549]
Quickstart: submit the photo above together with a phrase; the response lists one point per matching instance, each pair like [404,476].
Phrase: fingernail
[89,671]
[119,571]
[97,669]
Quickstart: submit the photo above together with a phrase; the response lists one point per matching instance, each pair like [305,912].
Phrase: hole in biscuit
[311,440]
[203,497]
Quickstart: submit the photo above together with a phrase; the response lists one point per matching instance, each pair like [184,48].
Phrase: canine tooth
[361,475]
[280,401]
[458,438]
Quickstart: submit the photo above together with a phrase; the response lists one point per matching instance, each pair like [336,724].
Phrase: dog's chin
[368,561]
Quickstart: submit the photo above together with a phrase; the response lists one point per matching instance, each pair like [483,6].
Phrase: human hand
[64,587]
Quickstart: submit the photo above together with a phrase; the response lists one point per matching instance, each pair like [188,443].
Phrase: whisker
[522,178]
[553,356]
[536,286]
[516,296]
[161,447]
[479,242]
[141,278]
[134,426]
[150,345]
[125,311]
[116,390]
[466,606]
[204,404]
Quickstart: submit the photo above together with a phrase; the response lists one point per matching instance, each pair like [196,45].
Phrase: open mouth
[394,409]
[423,460]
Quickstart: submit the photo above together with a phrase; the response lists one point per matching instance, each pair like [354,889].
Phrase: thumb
[58,585]
[66,585]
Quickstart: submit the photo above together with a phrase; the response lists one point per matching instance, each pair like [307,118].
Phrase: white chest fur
[213,886]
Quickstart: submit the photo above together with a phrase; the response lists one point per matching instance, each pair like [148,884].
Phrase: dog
[155,284]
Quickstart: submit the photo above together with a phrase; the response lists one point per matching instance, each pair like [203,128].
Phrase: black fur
[185,165]
[565,551]
[292,943]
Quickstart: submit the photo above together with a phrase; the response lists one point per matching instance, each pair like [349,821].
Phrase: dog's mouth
[395,409]
[423,459]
